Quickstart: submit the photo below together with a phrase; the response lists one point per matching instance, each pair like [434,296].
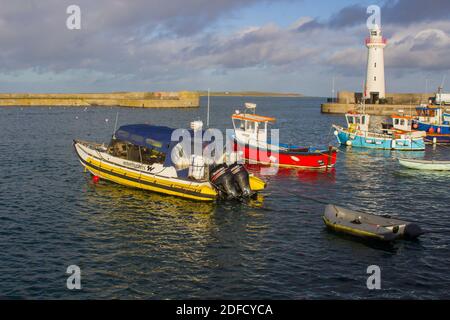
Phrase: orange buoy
[95,179]
[431,130]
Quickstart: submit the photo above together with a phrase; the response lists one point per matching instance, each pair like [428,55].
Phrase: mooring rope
[325,202]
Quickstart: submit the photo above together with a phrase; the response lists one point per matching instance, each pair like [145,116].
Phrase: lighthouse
[375,85]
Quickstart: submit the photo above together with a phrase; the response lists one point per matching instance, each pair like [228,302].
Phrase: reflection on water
[344,240]
[113,195]
[379,153]
[301,175]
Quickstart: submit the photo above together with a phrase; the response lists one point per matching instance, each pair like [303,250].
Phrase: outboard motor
[241,179]
[412,231]
[221,177]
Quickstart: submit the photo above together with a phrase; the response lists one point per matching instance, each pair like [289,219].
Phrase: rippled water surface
[135,244]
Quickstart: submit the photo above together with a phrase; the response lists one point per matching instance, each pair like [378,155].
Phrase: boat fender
[438,130]
[241,179]
[349,143]
[336,132]
[95,179]
[222,178]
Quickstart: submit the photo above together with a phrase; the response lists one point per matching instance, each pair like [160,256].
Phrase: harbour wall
[373,109]
[182,99]
[394,103]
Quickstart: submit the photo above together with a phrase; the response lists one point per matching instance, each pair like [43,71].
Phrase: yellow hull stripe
[130,178]
[133,184]
[353,231]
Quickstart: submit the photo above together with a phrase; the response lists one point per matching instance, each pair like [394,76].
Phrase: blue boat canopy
[145,135]
[149,136]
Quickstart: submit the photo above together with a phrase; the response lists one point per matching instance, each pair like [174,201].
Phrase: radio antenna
[115,124]
[207,112]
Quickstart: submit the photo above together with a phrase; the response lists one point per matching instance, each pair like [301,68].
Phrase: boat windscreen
[144,135]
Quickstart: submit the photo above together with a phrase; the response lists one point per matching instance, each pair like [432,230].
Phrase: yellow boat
[142,156]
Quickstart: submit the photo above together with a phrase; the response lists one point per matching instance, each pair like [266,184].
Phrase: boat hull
[368,226]
[433,128]
[425,164]
[377,141]
[319,159]
[138,176]
[201,191]
[437,138]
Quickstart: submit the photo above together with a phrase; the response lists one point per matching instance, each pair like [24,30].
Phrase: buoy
[438,130]
[349,143]
[95,179]
[434,140]
[336,132]
[415,125]
[431,130]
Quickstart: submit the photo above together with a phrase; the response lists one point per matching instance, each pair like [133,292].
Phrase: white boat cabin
[402,123]
[429,114]
[357,121]
[251,127]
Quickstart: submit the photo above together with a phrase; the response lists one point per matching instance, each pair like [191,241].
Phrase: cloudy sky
[265,45]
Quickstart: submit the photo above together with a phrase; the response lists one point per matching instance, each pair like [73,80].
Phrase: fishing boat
[430,118]
[252,142]
[145,157]
[369,226]
[425,164]
[398,137]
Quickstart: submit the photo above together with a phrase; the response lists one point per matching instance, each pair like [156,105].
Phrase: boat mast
[207,112]
[440,97]
[332,90]
[115,124]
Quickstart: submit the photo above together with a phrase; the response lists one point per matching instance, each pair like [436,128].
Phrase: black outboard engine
[221,177]
[241,179]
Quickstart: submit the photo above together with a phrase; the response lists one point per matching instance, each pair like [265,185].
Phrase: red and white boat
[252,143]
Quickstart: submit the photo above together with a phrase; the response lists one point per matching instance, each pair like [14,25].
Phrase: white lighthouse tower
[375,85]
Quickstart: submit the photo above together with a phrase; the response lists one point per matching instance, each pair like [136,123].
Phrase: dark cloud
[348,16]
[394,12]
[144,42]
[311,25]
[413,11]
[114,33]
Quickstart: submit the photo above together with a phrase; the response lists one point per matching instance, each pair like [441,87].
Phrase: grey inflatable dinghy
[369,226]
